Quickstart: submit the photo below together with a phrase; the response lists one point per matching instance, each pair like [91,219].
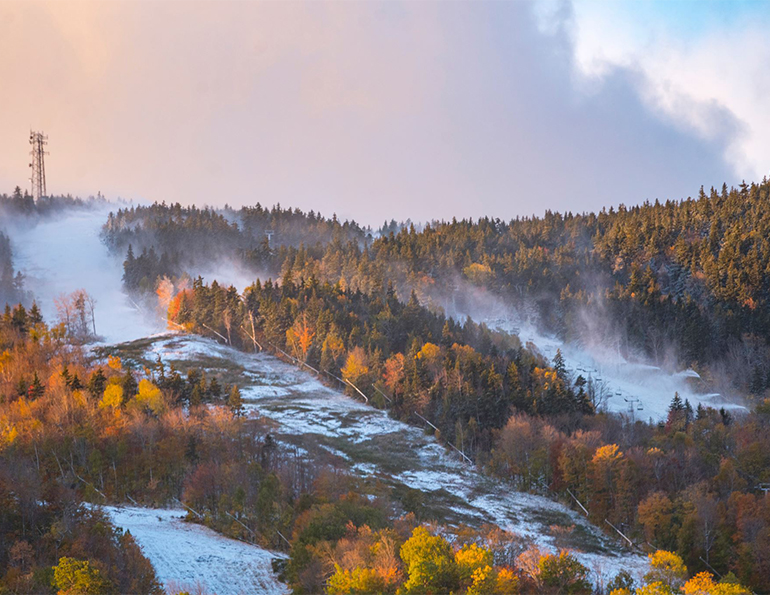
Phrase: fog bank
[64,253]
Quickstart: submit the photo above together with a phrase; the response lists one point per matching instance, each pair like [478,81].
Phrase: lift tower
[38,140]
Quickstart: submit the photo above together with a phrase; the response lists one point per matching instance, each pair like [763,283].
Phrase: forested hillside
[369,315]
[167,240]
[74,430]
[692,484]
[650,281]
[49,538]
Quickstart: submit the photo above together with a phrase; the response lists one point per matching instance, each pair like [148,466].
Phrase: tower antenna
[38,140]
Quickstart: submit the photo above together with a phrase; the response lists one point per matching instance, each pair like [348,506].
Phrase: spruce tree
[235,402]
[97,383]
[676,404]
[36,389]
[35,316]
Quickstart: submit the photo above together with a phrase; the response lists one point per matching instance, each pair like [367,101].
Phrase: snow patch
[186,555]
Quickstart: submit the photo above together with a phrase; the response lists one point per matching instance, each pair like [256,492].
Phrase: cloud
[370,110]
[703,65]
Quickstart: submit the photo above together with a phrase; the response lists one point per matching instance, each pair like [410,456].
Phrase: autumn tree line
[50,541]
[692,484]
[661,276]
[652,279]
[77,431]
[99,431]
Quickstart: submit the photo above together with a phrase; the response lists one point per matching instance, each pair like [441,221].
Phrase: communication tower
[38,140]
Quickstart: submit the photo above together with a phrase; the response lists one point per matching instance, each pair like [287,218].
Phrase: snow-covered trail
[187,556]
[639,390]
[372,445]
[63,254]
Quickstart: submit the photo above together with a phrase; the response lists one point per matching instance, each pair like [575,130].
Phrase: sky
[381,110]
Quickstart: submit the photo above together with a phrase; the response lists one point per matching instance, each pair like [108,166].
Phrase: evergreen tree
[36,389]
[558,365]
[96,384]
[235,402]
[35,316]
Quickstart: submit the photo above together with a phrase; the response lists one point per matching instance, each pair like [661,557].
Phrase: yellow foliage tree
[482,581]
[8,434]
[355,365]
[667,571]
[430,356]
[333,347]
[150,397]
[470,558]
[358,580]
[506,582]
[656,588]
[703,584]
[430,564]
[79,577]
[429,352]
[113,397]
[606,455]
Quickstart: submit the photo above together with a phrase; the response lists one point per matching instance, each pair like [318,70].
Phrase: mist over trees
[169,240]
[22,204]
[11,282]
[655,278]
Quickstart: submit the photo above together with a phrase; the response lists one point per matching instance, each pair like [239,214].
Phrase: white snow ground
[191,557]
[375,445]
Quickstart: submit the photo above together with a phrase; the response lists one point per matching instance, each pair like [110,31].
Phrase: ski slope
[65,253]
[190,557]
[374,446]
[639,390]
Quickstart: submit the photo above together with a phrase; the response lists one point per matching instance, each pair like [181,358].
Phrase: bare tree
[76,311]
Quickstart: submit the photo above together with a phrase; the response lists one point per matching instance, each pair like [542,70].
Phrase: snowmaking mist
[624,384]
[63,253]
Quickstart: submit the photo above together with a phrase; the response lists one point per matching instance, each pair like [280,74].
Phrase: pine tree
[196,396]
[558,364]
[19,319]
[676,404]
[129,386]
[97,383]
[688,412]
[129,268]
[22,387]
[36,389]
[214,390]
[235,402]
[35,317]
